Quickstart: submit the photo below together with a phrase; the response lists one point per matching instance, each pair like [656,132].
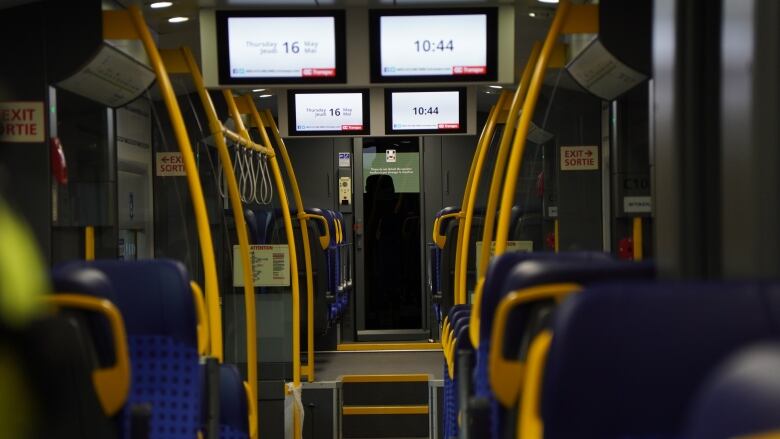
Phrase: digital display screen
[279,47]
[425,111]
[432,46]
[328,113]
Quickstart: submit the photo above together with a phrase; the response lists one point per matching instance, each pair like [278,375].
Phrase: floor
[331,366]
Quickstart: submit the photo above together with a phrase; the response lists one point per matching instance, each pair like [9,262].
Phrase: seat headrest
[513,271]
[232,399]
[260,223]
[627,358]
[154,296]
[741,398]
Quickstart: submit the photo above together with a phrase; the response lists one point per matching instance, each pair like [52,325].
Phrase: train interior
[464,219]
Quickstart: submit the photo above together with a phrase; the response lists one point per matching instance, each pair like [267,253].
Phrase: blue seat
[232,406]
[741,398]
[627,359]
[159,312]
[260,223]
[529,270]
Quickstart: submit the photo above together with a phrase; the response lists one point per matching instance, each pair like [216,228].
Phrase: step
[389,346]
[385,406]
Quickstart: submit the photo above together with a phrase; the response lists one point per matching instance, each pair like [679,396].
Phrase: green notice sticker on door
[270,265]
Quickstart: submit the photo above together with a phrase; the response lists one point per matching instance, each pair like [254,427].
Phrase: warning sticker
[270,265]
[169,164]
[579,158]
[21,121]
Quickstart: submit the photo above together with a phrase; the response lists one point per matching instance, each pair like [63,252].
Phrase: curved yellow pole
[495,188]
[267,119]
[215,128]
[193,181]
[468,213]
[243,241]
[518,146]
[285,206]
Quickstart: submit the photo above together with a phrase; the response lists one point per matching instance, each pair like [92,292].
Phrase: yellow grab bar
[468,213]
[506,374]
[267,119]
[112,384]
[252,408]
[530,425]
[203,321]
[439,239]
[193,179]
[325,239]
[494,191]
[518,145]
[89,243]
[637,238]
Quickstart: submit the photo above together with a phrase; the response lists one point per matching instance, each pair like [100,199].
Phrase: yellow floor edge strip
[419,346]
[389,378]
[385,410]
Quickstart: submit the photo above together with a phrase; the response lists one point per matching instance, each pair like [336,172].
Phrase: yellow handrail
[303,217]
[637,232]
[89,243]
[288,229]
[466,192]
[112,383]
[518,145]
[459,290]
[495,188]
[193,179]
[215,127]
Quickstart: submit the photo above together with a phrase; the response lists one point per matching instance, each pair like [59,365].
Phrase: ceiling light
[495,86]
[265,96]
[532,14]
[160,5]
[258,90]
[547,1]
[177,19]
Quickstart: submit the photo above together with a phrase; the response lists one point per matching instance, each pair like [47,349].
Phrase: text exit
[21,121]
[579,158]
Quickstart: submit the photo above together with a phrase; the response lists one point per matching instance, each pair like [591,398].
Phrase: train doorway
[393,297]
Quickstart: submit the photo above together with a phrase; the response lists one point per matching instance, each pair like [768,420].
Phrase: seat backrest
[260,223]
[158,308]
[741,398]
[232,404]
[627,358]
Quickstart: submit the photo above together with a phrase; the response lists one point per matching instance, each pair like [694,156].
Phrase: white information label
[637,204]
[511,246]
[282,47]
[537,135]
[328,111]
[430,110]
[601,73]
[111,78]
[433,45]
[270,265]
[169,164]
[22,122]
[345,159]
[579,158]
[552,211]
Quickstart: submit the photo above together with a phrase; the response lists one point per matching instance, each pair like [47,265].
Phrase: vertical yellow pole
[466,192]
[468,214]
[518,146]
[637,237]
[215,127]
[268,120]
[495,190]
[193,181]
[557,236]
[89,243]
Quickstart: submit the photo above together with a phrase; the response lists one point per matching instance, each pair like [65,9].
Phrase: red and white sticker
[22,122]
[579,158]
[170,164]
